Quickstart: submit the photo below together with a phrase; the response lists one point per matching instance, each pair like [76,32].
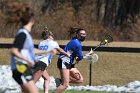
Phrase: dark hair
[73,32]
[46,33]
[18,12]
[27,15]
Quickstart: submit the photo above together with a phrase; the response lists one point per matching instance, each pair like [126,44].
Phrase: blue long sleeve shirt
[75,48]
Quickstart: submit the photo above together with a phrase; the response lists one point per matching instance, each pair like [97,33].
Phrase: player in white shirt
[45,59]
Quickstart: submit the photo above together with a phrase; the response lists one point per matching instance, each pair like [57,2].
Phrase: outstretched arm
[38,51]
[60,50]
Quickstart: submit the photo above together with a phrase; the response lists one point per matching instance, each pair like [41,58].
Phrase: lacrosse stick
[107,39]
[93,59]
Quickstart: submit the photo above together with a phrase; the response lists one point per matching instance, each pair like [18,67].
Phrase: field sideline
[85,43]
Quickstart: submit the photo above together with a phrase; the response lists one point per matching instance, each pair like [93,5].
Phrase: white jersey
[47,45]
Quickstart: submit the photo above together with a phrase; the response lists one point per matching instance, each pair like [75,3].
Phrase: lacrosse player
[44,60]
[23,51]
[65,64]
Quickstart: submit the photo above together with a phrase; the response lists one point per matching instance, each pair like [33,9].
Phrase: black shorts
[40,66]
[63,65]
[22,78]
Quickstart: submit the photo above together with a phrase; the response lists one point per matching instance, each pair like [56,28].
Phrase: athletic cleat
[58,81]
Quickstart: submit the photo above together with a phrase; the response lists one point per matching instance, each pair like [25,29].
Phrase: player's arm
[89,53]
[38,51]
[61,51]
[16,53]
[17,46]
[79,53]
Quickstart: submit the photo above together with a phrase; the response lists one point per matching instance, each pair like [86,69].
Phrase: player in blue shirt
[66,64]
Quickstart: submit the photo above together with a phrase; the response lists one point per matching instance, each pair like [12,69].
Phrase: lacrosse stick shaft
[100,45]
[96,47]
[90,73]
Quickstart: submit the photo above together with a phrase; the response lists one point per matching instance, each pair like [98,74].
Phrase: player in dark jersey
[66,64]
[23,51]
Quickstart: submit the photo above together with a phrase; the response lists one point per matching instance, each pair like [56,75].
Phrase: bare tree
[118,12]
[48,5]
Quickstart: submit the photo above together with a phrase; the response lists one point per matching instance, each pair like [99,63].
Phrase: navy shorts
[40,66]
[63,65]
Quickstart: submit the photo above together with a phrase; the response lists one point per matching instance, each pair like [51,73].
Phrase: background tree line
[117,17]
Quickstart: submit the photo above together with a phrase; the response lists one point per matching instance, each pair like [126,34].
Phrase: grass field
[111,68]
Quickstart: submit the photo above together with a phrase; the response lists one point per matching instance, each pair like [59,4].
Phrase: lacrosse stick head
[107,39]
[93,57]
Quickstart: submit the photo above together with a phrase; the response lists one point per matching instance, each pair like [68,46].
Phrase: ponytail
[46,33]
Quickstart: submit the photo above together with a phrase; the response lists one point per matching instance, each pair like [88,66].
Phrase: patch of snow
[8,85]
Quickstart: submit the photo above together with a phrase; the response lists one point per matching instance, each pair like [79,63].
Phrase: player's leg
[65,80]
[37,74]
[46,78]
[38,70]
[29,87]
[75,76]
[25,80]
